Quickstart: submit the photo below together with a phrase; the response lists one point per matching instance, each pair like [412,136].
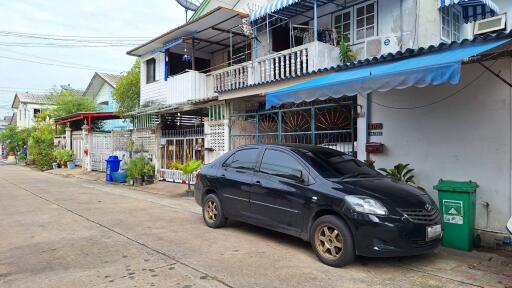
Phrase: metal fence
[329,125]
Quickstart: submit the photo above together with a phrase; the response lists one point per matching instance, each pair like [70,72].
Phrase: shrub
[400,172]
[40,146]
[189,168]
[136,167]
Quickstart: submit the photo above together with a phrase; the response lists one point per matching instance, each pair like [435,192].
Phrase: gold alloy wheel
[328,241]
[210,211]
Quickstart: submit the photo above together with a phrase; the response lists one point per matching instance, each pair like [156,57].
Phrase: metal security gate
[329,125]
[101,148]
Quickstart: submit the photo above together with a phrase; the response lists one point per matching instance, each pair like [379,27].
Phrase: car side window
[281,164]
[244,159]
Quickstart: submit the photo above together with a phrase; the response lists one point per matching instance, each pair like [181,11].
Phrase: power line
[53,64]
[53,60]
[73,36]
[62,45]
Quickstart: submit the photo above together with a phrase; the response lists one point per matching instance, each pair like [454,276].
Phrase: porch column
[86,136]
[68,137]
[315,21]
[193,54]
[363,110]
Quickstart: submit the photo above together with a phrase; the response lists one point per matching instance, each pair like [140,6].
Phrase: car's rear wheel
[213,214]
[332,241]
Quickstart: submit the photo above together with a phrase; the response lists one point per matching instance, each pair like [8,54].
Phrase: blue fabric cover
[431,69]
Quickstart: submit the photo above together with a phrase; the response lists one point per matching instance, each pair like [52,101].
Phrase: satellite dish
[188,5]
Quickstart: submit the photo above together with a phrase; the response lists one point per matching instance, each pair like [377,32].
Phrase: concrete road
[69,232]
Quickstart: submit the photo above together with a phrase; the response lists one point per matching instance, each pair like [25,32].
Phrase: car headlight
[367,205]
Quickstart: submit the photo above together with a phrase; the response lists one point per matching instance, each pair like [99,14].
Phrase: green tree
[127,91]
[68,102]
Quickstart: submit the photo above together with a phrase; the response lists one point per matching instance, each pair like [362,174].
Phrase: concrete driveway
[60,231]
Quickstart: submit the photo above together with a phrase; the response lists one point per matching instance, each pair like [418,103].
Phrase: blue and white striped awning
[271,8]
[473,10]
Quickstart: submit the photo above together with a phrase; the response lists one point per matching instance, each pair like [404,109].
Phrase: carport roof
[210,31]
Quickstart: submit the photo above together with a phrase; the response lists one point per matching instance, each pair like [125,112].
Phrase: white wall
[159,90]
[466,137]
[25,114]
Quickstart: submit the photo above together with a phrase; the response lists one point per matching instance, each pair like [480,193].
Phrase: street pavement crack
[212,277]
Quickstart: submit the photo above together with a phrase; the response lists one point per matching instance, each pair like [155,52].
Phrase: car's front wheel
[332,241]
[213,214]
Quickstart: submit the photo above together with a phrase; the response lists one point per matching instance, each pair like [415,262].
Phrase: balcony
[277,66]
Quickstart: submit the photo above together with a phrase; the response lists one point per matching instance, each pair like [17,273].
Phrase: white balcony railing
[188,86]
[289,63]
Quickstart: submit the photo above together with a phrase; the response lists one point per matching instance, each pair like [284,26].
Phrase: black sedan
[321,195]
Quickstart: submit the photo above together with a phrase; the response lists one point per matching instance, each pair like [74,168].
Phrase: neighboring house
[27,105]
[417,92]
[5,122]
[100,90]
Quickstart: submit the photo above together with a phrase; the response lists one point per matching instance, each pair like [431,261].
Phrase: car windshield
[330,163]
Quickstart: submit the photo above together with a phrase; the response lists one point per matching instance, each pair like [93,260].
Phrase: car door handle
[257,182]
[223,176]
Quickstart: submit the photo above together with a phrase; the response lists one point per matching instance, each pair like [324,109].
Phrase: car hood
[388,191]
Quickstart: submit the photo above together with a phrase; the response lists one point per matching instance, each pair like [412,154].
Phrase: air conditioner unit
[376,46]
[491,24]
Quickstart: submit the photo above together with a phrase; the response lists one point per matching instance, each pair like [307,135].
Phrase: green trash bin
[457,203]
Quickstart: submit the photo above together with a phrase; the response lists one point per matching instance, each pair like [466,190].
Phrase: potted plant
[22,158]
[188,170]
[63,156]
[135,170]
[149,173]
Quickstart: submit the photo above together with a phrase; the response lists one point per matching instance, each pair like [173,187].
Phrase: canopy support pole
[315,20]
[193,53]
[495,74]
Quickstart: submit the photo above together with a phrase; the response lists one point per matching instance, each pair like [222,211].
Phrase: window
[451,23]
[243,159]
[150,70]
[343,25]
[365,21]
[37,111]
[357,23]
[330,163]
[280,164]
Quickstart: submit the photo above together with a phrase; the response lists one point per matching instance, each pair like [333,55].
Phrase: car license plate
[434,232]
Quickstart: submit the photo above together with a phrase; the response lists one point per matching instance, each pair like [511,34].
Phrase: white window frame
[351,32]
[353,19]
[375,20]
[452,31]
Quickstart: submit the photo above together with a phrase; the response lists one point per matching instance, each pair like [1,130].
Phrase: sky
[85,22]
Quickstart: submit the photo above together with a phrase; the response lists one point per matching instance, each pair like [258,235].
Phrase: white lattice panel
[77,145]
[101,148]
[216,136]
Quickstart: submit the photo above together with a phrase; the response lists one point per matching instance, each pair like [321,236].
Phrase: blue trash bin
[112,165]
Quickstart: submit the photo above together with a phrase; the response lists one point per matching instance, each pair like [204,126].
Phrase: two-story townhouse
[177,79]
[26,106]
[281,81]
[100,89]
[444,108]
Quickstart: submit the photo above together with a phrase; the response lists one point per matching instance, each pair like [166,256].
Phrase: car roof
[307,147]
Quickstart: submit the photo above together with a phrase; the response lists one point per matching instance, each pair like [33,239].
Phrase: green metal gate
[329,125]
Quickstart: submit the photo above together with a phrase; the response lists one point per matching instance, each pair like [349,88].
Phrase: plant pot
[138,181]
[149,179]
[12,153]
[55,166]
[63,164]
[71,165]
[189,193]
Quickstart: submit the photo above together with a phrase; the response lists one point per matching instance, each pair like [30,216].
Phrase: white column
[68,138]
[362,125]
[87,137]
